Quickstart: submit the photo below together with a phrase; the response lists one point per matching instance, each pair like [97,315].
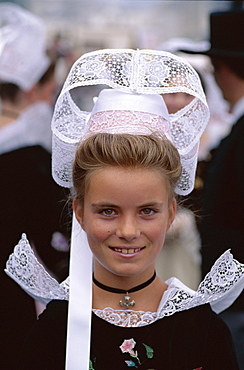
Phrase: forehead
[126,184]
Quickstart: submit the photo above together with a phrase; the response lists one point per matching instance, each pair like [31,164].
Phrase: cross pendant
[127,302]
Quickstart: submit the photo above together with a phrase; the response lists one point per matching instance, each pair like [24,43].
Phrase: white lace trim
[24,268]
[221,286]
[122,318]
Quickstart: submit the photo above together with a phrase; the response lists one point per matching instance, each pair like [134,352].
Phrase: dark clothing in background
[30,202]
[222,224]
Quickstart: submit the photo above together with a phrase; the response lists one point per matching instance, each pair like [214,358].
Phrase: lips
[126,250]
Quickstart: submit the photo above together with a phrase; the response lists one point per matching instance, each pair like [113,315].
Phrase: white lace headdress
[137,73]
[23,58]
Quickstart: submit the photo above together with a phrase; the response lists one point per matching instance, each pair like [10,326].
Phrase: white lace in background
[131,71]
[21,32]
[220,288]
[32,127]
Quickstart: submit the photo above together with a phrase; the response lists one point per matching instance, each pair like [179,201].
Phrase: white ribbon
[80,301]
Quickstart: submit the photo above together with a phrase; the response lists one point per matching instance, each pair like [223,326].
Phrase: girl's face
[126,214]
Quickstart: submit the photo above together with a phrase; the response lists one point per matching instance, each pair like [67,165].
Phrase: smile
[127,250]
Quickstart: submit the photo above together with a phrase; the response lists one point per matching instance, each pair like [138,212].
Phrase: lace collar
[134,318]
[221,286]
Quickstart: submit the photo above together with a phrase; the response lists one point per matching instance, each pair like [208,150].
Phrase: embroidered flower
[130,363]
[127,346]
[198,368]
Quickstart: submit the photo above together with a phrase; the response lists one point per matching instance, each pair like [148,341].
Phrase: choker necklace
[127,302]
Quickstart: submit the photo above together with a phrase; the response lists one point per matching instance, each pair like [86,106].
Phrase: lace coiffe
[133,72]
[21,32]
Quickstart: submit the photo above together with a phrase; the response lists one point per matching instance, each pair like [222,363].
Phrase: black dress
[192,339]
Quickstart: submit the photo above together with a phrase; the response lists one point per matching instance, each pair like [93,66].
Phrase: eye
[107,212]
[148,211]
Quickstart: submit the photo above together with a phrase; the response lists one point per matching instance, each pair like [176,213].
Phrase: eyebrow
[152,205]
[103,204]
[112,205]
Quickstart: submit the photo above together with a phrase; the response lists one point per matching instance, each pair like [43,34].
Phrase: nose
[128,228]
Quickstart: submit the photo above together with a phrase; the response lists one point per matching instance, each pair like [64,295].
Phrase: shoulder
[200,326]
[51,322]
[195,317]
[44,347]
[202,319]
[206,338]
[55,314]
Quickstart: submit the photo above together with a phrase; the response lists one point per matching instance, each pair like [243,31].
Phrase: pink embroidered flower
[127,346]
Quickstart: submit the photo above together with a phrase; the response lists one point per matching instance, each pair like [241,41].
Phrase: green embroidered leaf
[149,351]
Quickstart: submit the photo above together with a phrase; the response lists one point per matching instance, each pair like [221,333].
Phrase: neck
[234,90]
[129,290]
[11,110]
[117,280]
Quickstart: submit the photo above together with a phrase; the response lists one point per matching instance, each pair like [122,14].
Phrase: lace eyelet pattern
[24,268]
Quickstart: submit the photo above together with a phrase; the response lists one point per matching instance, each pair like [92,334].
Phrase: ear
[172,212]
[78,211]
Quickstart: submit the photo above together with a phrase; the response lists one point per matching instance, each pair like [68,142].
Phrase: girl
[131,160]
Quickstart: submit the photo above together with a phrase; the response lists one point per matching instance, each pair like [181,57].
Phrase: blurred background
[85,25]
[75,27]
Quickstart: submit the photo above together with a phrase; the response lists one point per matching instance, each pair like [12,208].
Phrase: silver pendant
[127,302]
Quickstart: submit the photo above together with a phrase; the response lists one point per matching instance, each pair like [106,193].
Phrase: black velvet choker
[127,302]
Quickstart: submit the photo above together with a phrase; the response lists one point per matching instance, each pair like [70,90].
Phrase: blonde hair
[128,151]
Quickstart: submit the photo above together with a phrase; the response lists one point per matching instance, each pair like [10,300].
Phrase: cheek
[96,232]
[157,232]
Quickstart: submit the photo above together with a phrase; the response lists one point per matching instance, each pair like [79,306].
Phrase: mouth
[127,250]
